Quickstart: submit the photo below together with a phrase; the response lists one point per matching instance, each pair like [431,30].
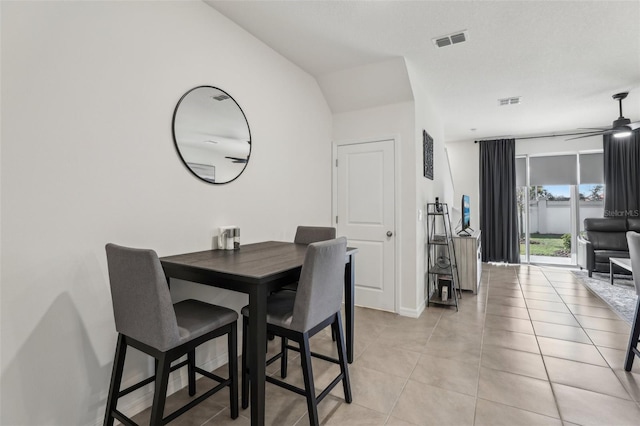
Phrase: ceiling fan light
[622,132]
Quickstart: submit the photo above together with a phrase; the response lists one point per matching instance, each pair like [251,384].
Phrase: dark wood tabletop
[258,263]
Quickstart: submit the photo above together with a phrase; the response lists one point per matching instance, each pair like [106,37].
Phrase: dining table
[257,270]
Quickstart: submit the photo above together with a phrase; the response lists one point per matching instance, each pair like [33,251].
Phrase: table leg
[257,344]
[349,284]
[633,339]
[610,272]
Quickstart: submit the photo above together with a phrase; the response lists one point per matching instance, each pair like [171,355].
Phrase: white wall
[88,92]
[394,121]
[367,86]
[464,157]
[405,122]
[426,190]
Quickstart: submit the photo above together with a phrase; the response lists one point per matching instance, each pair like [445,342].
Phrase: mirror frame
[175,140]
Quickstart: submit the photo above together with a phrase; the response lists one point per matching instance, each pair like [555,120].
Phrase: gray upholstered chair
[147,320]
[313,234]
[633,238]
[304,235]
[299,315]
[308,235]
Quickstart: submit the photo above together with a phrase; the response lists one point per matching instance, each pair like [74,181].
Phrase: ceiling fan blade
[594,128]
[588,135]
[237,160]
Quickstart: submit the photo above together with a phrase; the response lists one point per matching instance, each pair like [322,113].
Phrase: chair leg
[116,378]
[191,371]
[245,364]
[284,358]
[233,369]
[342,357]
[160,394]
[633,339]
[307,372]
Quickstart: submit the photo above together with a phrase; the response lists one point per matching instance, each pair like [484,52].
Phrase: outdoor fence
[554,217]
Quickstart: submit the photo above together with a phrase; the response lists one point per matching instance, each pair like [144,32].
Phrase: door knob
[389,234]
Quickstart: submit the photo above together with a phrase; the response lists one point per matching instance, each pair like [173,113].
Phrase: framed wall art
[427,143]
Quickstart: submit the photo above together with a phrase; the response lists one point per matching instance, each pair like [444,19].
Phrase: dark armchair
[604,238]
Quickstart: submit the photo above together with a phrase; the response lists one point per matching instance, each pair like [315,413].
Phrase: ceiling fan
[620,128]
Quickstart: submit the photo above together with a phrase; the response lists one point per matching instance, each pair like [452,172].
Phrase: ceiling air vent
[514,100]
[458,38]
[442,42]
[455,38]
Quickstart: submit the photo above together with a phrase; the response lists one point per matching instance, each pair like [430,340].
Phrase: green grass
[546,245]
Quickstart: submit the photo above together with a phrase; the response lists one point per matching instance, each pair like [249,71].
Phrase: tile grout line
[404,385]
[541,356]
[582,284]
[519,374]
[544,363]
[592,344]
[484,326]
[595,347]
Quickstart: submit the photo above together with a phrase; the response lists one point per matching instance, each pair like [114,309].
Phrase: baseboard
[413,313]
[176,382]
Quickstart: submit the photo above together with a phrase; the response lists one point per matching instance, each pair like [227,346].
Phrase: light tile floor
[533,347]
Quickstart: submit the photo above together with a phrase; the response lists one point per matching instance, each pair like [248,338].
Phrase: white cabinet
[469,259]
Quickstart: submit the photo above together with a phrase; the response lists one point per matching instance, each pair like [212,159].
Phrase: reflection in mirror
[211,134]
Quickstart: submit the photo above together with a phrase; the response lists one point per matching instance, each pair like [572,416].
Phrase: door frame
[397,208]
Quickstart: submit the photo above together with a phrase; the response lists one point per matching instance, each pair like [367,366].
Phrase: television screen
[466,212]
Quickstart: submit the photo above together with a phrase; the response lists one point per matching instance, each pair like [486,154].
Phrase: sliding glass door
[555,194]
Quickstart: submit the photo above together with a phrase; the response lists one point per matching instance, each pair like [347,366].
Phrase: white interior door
[365,215]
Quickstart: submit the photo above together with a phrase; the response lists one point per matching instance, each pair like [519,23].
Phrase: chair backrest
[633,238]
[606,233]
[142,304]
[633,223]
[313,234]
[321,284]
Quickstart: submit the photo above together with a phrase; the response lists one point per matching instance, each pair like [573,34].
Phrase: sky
[564,190]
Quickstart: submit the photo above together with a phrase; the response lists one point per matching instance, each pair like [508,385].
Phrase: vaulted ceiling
[565,59]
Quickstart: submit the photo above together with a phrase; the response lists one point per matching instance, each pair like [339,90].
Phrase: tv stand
[466,233]
[468,251]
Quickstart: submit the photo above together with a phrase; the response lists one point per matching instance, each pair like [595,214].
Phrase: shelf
[439,239]
[436,300]
[438,243]
[441,270]
[441,262]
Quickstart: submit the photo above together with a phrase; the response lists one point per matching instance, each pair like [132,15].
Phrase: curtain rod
[543,136]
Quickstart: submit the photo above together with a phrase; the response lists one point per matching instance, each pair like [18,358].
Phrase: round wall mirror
[211,134]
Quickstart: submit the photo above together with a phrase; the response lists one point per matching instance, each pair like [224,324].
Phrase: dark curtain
[622,175]
[498,203]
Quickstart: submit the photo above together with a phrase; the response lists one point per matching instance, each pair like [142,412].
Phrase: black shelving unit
[442,267]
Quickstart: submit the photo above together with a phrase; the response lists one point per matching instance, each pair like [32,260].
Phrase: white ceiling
[565,58]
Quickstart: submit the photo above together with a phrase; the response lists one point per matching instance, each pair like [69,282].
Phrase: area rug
[621,296]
